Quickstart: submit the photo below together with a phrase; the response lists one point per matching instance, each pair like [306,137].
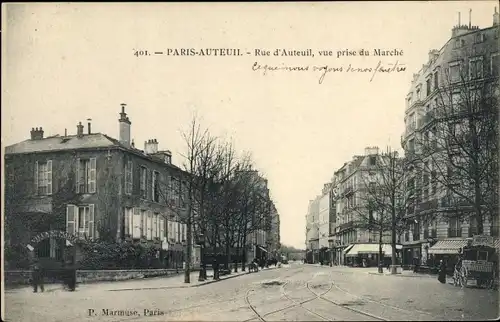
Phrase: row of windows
[140,223]
[454,74]
[172,190]
[137,223]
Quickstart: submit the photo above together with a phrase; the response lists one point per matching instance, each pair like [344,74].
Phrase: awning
[348,248]
[371,249]
[447,246]
[262,249]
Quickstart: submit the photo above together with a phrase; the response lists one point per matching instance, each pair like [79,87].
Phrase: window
[156,186]
[478,38]
[418,94]
[128,221]
[476,68]
[428,86]
[455,72]
[144,177]
[373,160]
[495,64]
[456,101]
[436,80]
[472,226]
[128,178]
[80,220]
[144,223]
[43,178]
[86,175]
[455,229]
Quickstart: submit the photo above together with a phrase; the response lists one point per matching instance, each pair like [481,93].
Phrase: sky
[65,63]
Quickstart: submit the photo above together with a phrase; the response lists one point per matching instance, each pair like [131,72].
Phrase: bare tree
[385,199]
[459,145]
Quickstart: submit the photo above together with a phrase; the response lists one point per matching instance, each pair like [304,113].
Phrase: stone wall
[22,277]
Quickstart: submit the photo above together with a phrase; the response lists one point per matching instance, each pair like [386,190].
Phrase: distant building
[312,231]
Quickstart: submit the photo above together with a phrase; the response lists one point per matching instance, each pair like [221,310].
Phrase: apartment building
[91,186]
[446,96]
[354,244]
[312,231]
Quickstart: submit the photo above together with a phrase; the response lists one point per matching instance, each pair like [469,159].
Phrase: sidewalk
[161,282]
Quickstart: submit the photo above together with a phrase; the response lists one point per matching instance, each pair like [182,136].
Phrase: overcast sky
[64,63]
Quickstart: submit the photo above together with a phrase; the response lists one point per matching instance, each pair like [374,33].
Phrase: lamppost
[203,274]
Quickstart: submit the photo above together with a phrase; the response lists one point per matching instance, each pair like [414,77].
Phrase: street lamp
[201,241]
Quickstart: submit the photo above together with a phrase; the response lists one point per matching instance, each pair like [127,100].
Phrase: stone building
[89,185]
[455,86]
[355,244]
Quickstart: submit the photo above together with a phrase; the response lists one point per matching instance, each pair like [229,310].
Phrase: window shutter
[126,222]
[150,225]
[70,219]
[49,177]
[128,183]
[137,221]
[152,185]
[77,176]
[162,227]
[89,224]
[155,225]
[36,177]
[92,175]
[143,221]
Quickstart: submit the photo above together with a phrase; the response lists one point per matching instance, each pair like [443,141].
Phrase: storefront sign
[483,240]
[54,234]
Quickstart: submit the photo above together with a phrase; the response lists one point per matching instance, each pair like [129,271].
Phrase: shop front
[367,255]
[412,254]
[446,250]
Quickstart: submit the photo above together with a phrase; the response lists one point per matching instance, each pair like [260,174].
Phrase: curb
[182,286]
[174,287]
[402,275]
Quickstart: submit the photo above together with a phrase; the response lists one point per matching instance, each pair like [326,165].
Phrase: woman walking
[442,272]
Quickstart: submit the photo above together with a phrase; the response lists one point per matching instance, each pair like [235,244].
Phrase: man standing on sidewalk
[37,276]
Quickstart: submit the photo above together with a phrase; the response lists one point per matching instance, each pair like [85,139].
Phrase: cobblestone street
[297,293]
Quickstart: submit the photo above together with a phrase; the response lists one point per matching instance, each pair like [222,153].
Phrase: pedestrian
[215,267]
[37,276]
[442,272]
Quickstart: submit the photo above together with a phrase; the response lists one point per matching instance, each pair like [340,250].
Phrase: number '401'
[138,53]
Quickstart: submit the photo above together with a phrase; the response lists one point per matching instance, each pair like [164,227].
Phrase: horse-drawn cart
[479,263]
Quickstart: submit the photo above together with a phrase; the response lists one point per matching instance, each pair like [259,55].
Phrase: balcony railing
[453,232]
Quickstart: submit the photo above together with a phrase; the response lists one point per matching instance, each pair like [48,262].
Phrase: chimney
[79,130]
[124,127]
[151,146]
[470,18]
[495,18]
[89,129]
[36,133]
[65,132]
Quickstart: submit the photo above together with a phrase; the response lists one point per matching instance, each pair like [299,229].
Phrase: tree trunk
[187,269]
[380,254]
[244,257]
[393,239]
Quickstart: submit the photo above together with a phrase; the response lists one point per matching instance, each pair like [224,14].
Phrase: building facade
[445,109]
[352,242]
[312,231]
[92,186]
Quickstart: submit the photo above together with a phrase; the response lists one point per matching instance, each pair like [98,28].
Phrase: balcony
[427,205]
[453,232]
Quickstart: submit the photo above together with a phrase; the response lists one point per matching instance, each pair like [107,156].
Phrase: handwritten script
[323,70]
